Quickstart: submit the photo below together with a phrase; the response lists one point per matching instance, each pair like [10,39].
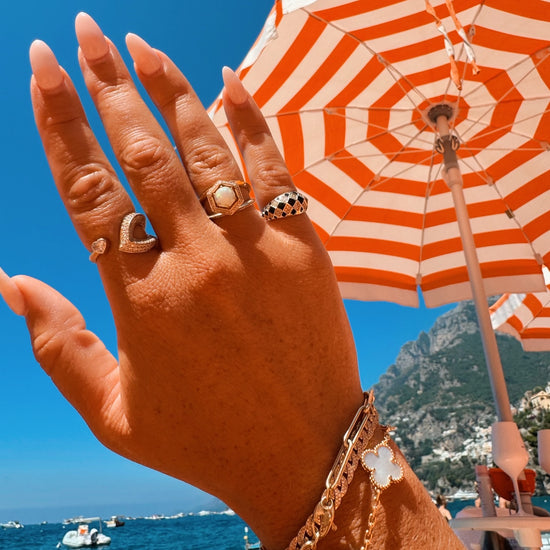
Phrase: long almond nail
[90,38]
[45,67]
[234,87]
[146,59]
[11,294]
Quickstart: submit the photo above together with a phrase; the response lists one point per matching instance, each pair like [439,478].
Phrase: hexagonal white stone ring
[382,465]
[225,198]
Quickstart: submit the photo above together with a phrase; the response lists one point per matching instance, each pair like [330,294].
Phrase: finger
[141,147]
[75,359]
[87,183]
[264,163]
[204,152]
[11,294]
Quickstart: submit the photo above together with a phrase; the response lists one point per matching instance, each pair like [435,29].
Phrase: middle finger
[205,154]
[143,150]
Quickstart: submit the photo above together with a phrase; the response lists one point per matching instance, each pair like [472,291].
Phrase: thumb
[77,361]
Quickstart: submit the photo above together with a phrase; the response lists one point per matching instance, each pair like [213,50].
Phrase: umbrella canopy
[420,132]
[526,317]
[348,89]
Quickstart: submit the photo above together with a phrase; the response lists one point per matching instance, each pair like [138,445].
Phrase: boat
[84,537]
[250,545]
[12,525]
[464,495]
[115,521]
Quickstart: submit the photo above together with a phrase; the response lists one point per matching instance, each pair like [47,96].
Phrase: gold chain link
[340,476]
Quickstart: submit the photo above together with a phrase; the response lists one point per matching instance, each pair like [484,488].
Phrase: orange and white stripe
[345,87]
[525,316]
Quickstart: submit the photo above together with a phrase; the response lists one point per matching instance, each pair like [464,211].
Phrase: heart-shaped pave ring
[128,241]
[99,247]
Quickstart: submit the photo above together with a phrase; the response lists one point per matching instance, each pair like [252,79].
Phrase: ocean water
[193,532]
[220,531]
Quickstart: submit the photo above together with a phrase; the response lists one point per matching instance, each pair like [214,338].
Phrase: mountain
[438,396]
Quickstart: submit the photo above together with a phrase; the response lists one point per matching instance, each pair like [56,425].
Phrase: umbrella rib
[510,213]
[390,161]
[512,88]
[384,180]
[515,133]
[511,100]
[429,185]
[331,111]
[370,184]
[504,149]
[380,59]
[487,178]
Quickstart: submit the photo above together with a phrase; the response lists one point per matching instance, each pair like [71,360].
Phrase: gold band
[225,198]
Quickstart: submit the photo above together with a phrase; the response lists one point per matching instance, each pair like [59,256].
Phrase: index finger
[87,183]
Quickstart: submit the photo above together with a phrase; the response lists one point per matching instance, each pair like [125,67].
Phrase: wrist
[292,471]
[383,503]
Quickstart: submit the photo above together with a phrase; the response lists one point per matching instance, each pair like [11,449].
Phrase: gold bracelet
[380,462]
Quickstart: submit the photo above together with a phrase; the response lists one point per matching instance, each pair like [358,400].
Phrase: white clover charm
[381,464]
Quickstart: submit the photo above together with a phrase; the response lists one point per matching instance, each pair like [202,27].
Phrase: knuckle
[177,97]
[209,158]
[49,349]
[273,173]
[145,153]
[113,90]
[90,187]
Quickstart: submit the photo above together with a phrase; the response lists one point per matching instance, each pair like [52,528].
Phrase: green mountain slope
[438,396]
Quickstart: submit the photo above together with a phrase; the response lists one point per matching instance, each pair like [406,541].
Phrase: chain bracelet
[354,443]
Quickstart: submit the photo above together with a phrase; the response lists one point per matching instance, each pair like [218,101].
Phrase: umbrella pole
[453,178]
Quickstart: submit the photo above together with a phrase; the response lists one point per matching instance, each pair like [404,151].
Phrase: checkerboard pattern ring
[291,203]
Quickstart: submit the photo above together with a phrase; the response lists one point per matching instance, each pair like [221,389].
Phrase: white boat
[464,495]
[12,525]
[115,521]
[85,537]
[250,545]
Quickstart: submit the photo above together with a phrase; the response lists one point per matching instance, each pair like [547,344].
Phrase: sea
[223,531]
[219,530]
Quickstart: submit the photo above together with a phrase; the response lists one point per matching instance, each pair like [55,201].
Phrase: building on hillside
[541,400]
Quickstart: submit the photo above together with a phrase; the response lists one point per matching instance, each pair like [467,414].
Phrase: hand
[236,368]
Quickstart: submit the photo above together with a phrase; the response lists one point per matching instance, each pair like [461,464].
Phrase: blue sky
[50,465]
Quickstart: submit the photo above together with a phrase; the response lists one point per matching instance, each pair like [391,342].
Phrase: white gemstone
[225,197]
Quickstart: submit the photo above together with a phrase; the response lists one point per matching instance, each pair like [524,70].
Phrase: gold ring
[224,198]
[99,247]
[129,242]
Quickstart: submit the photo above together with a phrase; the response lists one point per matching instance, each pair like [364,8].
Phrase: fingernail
[146,58]
[234,87]
[11,294]
[45,67]
[90,38]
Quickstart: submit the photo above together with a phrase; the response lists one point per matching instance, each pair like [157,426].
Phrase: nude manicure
[146,59]
[11,294]
[234,87]
[45,67]
[90,37]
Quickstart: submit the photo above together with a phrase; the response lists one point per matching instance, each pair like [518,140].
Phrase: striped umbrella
[420,131]
[525,316]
